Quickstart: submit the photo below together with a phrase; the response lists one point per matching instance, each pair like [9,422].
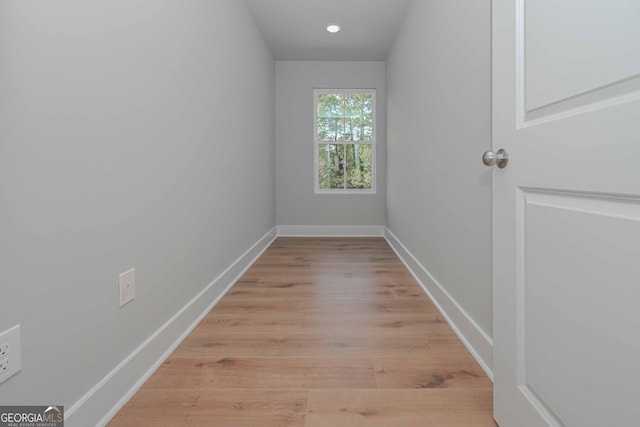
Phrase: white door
[566,92]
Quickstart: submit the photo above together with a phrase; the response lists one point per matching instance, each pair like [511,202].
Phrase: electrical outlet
[10,356]
[4,365]
[127,286]
[4,350]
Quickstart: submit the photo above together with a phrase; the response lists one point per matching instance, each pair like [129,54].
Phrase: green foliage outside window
[345,122]
[344,166]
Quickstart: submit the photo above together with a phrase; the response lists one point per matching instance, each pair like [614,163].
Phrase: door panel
[568,304]
[568,45]
[566,232]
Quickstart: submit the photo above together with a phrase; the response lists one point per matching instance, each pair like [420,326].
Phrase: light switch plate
[127,286]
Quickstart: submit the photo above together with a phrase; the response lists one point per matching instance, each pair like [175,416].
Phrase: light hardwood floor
[319,332]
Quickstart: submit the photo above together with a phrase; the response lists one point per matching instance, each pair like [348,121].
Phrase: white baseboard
[473,337]
[331,230]
[108,396]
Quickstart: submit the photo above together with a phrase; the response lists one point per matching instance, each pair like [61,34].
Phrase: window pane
[360,112]
[344,117]
[329,129]
[330,166]
[358,166]
[344,166]
[330,105]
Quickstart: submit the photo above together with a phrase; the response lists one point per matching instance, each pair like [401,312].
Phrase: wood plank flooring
[319,332]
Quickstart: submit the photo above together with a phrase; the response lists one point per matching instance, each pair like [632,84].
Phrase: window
[345,141]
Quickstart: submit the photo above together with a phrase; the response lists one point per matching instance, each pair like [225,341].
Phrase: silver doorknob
[500,158]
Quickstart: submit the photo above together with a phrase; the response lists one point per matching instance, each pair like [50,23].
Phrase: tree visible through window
[345,140]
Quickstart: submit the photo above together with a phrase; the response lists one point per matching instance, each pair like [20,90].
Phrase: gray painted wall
[296,203]
[133,133]
[439,121]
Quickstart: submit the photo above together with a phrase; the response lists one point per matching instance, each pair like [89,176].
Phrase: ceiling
[296,29]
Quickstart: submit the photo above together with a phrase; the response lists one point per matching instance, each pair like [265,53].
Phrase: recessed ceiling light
[333,28]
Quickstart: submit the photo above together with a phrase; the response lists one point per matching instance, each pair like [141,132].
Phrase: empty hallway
[175,139]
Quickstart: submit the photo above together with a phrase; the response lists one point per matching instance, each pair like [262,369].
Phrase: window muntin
[344,136]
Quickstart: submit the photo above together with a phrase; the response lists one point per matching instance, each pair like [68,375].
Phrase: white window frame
[317,189]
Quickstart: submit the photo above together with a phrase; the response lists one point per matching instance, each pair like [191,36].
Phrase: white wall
[133,133]
[296,203]
[439,118]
